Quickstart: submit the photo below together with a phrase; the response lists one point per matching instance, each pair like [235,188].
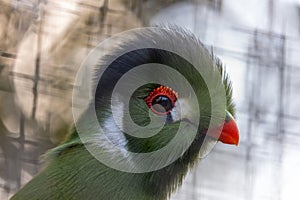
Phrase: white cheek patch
[113,125]
[181,109]
[176,112]
[185,108]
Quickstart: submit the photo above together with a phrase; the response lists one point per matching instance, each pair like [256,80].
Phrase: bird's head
[161,99]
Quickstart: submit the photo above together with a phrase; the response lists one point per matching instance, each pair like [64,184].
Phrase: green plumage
[73,173]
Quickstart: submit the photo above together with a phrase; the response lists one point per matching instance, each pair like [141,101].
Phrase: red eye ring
[161,91]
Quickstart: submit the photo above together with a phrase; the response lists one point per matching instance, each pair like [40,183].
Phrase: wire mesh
[267,106]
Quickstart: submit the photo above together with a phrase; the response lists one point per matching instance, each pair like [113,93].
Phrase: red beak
[229,133]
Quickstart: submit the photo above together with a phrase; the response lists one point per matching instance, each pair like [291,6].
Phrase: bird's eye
[161,100]
[162,104]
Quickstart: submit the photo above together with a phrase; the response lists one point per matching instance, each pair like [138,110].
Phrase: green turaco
[161,101]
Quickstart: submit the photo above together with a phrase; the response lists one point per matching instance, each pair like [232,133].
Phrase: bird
[178,96]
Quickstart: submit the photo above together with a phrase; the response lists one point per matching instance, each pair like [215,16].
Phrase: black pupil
[162,104]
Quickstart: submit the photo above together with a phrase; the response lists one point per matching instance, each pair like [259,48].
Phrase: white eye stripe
[183,109]
[177,112]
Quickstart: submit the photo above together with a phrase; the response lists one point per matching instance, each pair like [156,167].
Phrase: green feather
[73,173]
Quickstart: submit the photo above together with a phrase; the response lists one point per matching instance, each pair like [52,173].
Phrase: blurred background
[43,42]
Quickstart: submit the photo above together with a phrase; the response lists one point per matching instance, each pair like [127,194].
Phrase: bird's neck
[109,182]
